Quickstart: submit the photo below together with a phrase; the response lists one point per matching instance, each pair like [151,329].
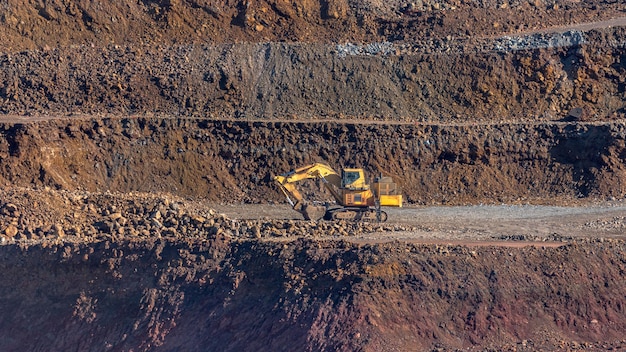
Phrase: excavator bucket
[313,212]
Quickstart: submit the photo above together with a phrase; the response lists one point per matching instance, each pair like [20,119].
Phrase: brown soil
[122,120]
[56,23]
[445,80]
[233,161]
[433,63]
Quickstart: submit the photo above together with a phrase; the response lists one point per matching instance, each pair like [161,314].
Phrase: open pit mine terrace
[110,241]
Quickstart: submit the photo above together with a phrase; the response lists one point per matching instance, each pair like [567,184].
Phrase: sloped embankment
[532,78]
[232,161]
[60,24]
[224,294]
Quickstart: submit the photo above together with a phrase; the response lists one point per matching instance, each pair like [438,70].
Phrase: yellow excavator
[356,200]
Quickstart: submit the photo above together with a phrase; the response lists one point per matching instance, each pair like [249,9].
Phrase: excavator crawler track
[356,214]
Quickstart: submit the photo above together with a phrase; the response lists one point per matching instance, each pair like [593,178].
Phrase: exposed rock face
[120,119]
[232,161]
[60,23]
[195,295]
[531,78]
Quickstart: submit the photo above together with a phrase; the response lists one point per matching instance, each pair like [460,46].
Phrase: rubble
[90,216]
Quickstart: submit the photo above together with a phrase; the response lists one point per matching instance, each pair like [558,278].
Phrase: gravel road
[520,224]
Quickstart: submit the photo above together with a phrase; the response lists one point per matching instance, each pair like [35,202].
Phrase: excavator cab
[353,179]
[354,190]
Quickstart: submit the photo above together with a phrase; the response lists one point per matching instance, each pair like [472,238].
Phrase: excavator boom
[320,171]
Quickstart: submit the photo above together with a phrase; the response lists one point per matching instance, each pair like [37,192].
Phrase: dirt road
[613,22]
[487,225]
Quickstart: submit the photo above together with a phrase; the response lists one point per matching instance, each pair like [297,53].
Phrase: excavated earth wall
[56,23]
[461,101]
[523,78]
[233,161]
[310,295]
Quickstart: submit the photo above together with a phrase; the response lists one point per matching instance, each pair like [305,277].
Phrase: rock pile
[614,223]
[31,215]
[28,215]
[301,228]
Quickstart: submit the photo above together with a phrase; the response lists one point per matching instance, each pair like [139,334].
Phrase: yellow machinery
[356,200]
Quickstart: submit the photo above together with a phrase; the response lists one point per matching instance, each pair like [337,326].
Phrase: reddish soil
[233,161]
[122,122]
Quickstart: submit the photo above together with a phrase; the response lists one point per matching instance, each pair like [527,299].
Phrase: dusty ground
[138,141]
[494,224]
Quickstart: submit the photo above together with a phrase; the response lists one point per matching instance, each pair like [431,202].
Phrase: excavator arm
[319,171]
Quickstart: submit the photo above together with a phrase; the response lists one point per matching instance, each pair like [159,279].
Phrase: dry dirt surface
[138,140]
[477,225]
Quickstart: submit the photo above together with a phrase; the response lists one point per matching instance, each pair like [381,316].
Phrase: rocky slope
[417,61]
[149,272]
[233,161]
[121,119]
[309,295]
[533,78]
[56,23]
